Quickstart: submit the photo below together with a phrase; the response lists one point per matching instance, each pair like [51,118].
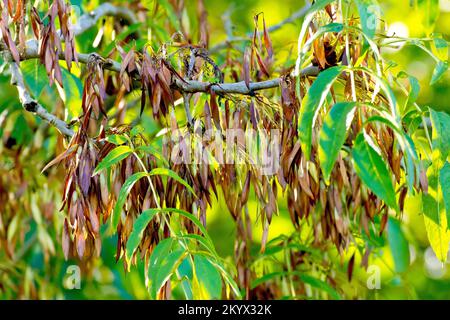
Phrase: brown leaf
[261,64]
[19,11]
[81,243]
[253,115]
[246,67]
[215,110]
[383,223]
[246,189]
[351,264]
[267,41]
[61,157]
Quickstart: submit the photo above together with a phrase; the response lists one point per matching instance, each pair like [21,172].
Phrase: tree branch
[32,105]
[231,39]
[91,18]
[31,51]
[189,86]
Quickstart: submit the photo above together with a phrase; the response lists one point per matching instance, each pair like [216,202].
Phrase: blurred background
[40,270]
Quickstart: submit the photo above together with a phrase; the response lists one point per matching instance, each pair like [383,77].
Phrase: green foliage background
[423,278]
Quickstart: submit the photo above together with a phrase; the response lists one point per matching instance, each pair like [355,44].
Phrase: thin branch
[236,87]
[32,105]
[230,40]
[294,16]
[189,86]
[90,19]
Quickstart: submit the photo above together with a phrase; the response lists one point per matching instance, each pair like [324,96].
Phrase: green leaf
[22,131]
[439,47]
[194,220]
[114,156]
[372,170]
[208,279]
[444,178]
[123,194]
[441,68]
[151,150]
[170,13]
[311,104]
[436,225]
[35,76]
[312,281]
[321,285]
[332,135]
[398,244]
[138,228]
[164,261]
[440,122]
[171,174]
[225,274]
[116,139]
[368,16]
[136,130]
[434,206]
[414,90]
[201,240]
[73,94]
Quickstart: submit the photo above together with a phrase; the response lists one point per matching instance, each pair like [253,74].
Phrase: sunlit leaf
[372,170]
[123,194]
[439,48]
[170,13]
[444,177]
[35,76]
[138,228]
[73,93]
[115,156]
[398,244]
[434,209]
[441,68]
[164,260]
[173,175]
[311,104]
[209,281]
[332,135]
[436,226]
[116,139]
[368,16]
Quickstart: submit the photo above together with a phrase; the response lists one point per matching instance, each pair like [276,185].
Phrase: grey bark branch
[190,86]
[32,105]
[31,51]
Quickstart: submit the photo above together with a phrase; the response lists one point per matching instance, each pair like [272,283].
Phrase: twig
[294,16]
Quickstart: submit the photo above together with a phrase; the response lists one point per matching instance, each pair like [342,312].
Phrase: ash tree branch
[88,20]
[189,86]
[32,105]
[85,22]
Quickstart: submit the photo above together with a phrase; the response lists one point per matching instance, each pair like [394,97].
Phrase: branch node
[30,106]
